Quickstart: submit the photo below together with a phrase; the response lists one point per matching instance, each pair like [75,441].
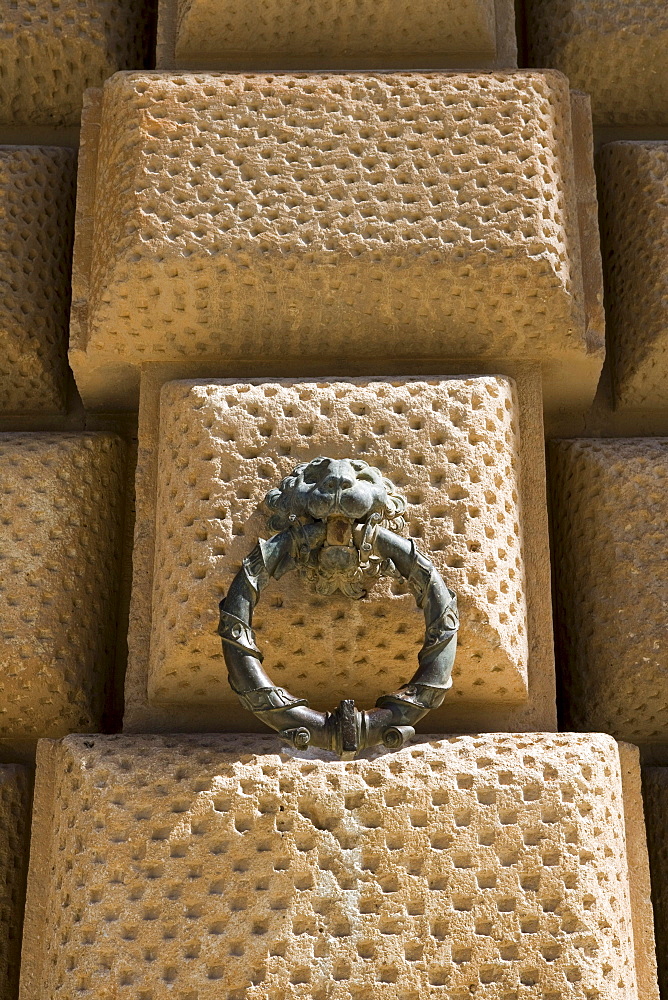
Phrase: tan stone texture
[320,217]
[655,787]
[207,34]
[62,506]
[53,50]
[638,863]
[451,448]
[613,49]
[609,507]
[36,230]
[634,224]
[14,840]
[213,866]
[454,447]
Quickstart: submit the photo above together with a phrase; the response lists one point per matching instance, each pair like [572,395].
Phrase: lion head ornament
[336,488]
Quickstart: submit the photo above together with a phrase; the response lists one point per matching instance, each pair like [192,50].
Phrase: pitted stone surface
[610,503]
[53,50]
[634,230]
[59,537]
[248,216]
[450,446]
[655,788]
[205,34]
[14,843]
[216,867]
[36,228]
[612,49]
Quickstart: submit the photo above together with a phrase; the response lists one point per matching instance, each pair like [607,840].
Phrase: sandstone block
[51,52]
[314,218]
[59,540]
[14,842]
[36,229]
[217,866]
[613,49]
[634,201]
[211,450]
[655,787]
[610,529]
[204,34]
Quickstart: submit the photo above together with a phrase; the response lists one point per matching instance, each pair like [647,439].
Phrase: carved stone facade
[278,370]
[62,516]
[203,34]
[291,217]
[219,866]
[36,231]
[454,447]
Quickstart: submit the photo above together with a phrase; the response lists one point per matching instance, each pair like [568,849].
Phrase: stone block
[634,224]
[655,787]
[36,229]
[310,219]
[51,52]
[613,49]
[459,449]
[609,507]
[206,34]
[62,512]
[14,843]
[216,866]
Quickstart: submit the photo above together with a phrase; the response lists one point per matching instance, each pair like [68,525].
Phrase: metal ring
[340,554]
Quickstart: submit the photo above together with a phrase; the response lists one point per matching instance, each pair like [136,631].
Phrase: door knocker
[334,520]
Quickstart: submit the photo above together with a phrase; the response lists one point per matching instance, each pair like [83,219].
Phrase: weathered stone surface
[452,446]
[216,867]
[320,217]
[655,787]
[14,842]
[613,49]
[62,508]
[206,34]
[634,202]
[36,229]
[53,50]
[610,529]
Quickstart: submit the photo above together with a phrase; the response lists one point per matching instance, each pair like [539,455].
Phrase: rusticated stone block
[218,867]
[634,219]
[613,49]
[610,503]
[206,34]
[36,229]
[52,51]
[59,539]
[451,446]
[14,842]
[655,787]
[318,217]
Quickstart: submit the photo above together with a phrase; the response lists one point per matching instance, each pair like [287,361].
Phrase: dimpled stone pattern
[215,867]
[52,50]
[209,34]
[634,228]
[613,49]
[655,789]
[36,229]
[610,504]
[250,216]
[14,840]
[59,534]
[450,446]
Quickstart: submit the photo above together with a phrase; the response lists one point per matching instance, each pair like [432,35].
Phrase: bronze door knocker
[335,519]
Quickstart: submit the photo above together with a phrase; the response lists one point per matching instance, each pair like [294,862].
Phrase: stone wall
[428,243]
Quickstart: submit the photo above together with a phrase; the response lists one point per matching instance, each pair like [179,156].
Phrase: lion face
[329,487]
